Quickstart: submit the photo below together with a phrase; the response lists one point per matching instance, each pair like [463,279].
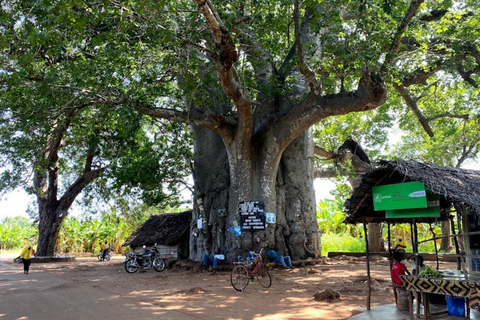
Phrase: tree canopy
[257,74]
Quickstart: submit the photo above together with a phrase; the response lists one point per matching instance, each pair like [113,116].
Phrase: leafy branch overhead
[86,87]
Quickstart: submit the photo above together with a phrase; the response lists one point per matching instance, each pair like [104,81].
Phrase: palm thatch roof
[455,187]
[163,229]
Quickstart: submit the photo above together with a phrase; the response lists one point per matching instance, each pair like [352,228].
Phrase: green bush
[14,230]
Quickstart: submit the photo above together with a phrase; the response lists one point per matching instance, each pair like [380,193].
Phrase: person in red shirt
[398,268]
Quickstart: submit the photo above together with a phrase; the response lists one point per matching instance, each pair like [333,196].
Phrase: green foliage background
[341,237]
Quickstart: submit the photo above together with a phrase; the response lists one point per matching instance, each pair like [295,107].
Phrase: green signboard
[432,211]
[406,195]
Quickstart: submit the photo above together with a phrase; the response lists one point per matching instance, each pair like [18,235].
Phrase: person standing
[401,246]
[26,256]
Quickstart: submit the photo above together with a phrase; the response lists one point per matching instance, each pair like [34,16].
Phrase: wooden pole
[389,237]
[369,282]
[390,259]
[435,245]
[415,250]
[412,238]
[457,248]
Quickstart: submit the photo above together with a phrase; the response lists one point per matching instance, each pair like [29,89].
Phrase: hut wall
[168,252]
[179,251]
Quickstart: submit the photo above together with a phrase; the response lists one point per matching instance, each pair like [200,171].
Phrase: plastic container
[456,306]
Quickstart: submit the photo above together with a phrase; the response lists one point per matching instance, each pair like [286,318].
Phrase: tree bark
[299,235]
[296,231]
[445,244]
[49,226]
[375,237]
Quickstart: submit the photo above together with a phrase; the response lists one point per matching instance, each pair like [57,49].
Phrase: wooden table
[448,286]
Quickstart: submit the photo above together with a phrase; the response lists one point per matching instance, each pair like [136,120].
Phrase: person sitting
[285,261]
[398,268]
[421,265]
[251,255]
[217,258]
[104,248]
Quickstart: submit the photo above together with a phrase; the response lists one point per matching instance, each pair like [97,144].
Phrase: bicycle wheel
[131,266]
[107,257]
[99,256]
[263,276]
[158,264]
[239,278]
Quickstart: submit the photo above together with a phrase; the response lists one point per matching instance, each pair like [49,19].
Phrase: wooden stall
[445,190]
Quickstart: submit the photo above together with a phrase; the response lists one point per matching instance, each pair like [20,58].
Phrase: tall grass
[332,242]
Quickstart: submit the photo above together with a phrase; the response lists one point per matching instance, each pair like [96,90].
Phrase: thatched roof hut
[455,187]
[163,229]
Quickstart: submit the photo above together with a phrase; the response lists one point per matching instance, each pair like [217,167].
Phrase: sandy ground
[89,289]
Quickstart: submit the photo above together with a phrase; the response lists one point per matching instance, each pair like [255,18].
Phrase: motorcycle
[107,255]
[147,259]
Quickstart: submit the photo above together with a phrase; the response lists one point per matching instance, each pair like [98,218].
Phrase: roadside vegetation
[78,234]
[84,234]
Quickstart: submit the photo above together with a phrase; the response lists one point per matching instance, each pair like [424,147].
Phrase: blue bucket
[456,306]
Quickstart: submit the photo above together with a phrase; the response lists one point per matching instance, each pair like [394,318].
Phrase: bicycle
[244,273]
[107,255]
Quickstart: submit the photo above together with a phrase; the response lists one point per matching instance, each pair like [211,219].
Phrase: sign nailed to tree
[252,215]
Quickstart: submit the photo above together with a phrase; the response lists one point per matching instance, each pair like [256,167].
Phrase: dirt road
[89,289]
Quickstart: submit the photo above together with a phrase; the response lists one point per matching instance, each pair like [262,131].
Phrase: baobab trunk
[295,232]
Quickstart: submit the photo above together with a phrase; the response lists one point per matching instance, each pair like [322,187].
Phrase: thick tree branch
[370,94]
[215,122]
[467,76]
[434,15]
[261,60]
[424,121]
[319,151]
[421,75]
[77,187]
[475,53]
[448,115]
[325,173]
[412,11]
[412,104]
[468,151]
[227,74]
[304,69]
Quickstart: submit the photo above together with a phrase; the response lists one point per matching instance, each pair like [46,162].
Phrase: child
[398,268]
